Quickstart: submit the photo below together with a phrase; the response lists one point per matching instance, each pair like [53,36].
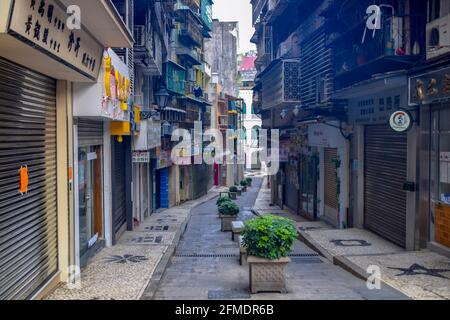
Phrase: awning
[103,21]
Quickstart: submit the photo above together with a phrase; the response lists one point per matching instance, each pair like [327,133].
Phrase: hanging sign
[43,25]
[141,157]
[400,121]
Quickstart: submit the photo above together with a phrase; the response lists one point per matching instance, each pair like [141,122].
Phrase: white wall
[325,136]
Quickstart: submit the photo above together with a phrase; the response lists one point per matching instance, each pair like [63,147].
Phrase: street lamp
[162,97]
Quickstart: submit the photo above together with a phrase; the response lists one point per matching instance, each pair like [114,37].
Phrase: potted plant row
[244,185]
[249,181]
[268,241]
[233,192]
[228,212]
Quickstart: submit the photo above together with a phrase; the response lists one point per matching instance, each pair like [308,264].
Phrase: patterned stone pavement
[418,275]
[123,271]
[205,266]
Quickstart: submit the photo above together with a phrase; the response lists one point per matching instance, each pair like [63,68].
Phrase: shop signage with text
[42,25]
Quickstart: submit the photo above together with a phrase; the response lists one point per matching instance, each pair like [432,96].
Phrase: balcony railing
[191,27]
[395,42]
[281,84]
[206,12]
[191,56]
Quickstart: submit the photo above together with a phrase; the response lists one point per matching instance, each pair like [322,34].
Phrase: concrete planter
[267,275]
[244,189]
[233,195]
[249,183]
[239,192]
[227,222]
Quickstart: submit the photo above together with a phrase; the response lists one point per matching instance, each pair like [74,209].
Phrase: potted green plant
[233,192]
[249,181]
[228,212]
[222,200]
[268,241]
[244,185]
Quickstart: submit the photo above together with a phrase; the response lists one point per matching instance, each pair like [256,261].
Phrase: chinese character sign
[43,23]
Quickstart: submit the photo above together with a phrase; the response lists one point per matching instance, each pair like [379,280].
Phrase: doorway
[90,198]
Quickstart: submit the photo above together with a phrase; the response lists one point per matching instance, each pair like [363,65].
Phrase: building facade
[227,115]
[362,135]
[43,60]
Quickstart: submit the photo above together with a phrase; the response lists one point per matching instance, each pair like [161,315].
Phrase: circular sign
[400,121]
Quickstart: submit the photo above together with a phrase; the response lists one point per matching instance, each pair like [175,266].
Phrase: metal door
[331,186]
[28,222]
[292,185]
[385,171]
[119,187]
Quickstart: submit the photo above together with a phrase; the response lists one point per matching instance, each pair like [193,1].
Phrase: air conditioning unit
[438,33]
[139,36]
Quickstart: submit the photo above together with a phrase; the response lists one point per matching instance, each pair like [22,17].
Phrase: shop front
[383,157]
[95,107]
[430,91]
[326,175]
[39,62]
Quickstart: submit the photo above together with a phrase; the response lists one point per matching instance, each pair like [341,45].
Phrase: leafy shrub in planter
[233,189]
[223,200]
[249,181]
[244,183]
[229,208]
[269,237]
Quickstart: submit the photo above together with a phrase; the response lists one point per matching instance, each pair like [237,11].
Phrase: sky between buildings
[237,10]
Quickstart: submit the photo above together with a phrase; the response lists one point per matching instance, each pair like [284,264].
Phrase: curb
[314,246]
[153,284]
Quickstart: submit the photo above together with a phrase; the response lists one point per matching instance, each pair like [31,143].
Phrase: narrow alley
[206,266]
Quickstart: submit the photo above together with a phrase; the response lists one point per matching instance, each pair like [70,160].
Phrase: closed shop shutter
[201,176]
[90,133]
[385,173]
[28,222]
[291,187]
[118,187]
[331,191]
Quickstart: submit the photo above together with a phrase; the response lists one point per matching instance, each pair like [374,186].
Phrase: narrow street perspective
[165,151]
[206,266]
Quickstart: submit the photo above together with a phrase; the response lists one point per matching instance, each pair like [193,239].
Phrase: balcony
[259,8]
[144,52]
[175,78]
[394,47]
[190,56]
[206,13]
[281,84]
[277,8]
[191,27]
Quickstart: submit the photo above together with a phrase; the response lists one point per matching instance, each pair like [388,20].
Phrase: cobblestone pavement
[205,266]
[417,274]
[122,272]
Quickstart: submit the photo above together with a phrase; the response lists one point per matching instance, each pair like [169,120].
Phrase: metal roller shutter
[201,176]
[118,188]
[28,223]
[90,133]
[331,192]
[385,173]
[291,187]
